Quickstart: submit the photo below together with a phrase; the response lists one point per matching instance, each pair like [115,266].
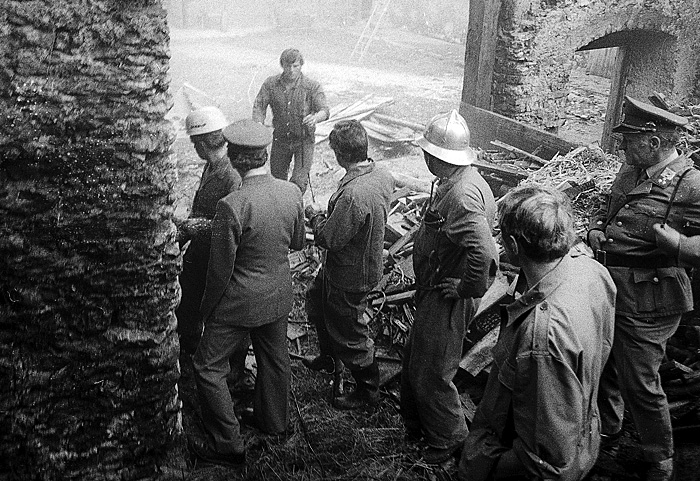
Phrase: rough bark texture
[88,264]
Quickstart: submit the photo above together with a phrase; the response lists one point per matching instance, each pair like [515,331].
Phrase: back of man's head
[540,219]
[348,139]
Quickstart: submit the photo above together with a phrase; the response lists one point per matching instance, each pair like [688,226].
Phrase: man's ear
[513,245]
[654,142]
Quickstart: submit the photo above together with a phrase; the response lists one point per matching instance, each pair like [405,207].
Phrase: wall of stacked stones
[88,263]
[537,43]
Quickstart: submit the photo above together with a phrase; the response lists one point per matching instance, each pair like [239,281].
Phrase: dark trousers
[343,330]
[632,375]
[211,366]
[429,398]
[189,320]
[192,280]
[281,155]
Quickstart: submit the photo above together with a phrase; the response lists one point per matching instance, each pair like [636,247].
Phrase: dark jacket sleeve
[470,230]
[299,232]
[337,230]
[225,238]
[318,102]
[689,251]
[262,100]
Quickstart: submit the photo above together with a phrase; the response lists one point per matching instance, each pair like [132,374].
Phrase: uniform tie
[642,176]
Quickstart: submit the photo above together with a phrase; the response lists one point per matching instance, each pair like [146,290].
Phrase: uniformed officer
[248,292]
[655,185]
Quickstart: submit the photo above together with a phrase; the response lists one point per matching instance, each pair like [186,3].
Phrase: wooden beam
[480,52]
[514,150]
[486,126]
[394,298]
[395,120]
[613,114]
[405,239]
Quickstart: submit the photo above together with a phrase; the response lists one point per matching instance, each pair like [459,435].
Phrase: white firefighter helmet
[447,137]
[205,120]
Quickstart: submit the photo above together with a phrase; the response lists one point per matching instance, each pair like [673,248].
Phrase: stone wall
[88,263]
[538,40]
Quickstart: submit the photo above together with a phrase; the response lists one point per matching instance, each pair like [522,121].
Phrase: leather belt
[620,260]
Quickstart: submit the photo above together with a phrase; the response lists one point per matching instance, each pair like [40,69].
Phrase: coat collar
[257,179]
[444,185]
[217,169]
[356,171]
[537,293]
[659,176]
[299,81]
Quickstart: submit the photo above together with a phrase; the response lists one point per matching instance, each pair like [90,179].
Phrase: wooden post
[616,97]
[480,52]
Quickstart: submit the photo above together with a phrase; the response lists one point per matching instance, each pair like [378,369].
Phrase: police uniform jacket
[541,395]
[353,231]
[249,281]
[650,283]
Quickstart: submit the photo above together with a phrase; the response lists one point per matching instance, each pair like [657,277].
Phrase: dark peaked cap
[639,117]
[248,134]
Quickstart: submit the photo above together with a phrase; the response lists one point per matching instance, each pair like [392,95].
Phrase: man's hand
[448,288]
[312,210]
[309,121]
[596,239]
[667,238]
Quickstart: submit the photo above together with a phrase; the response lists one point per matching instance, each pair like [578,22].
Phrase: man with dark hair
[455,261]
[248,292]
[655,185]
[538,418]
[352,232]
[297,103]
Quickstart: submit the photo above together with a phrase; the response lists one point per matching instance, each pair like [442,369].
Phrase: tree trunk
[88,263]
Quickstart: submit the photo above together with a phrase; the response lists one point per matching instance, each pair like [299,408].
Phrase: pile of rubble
[585,174]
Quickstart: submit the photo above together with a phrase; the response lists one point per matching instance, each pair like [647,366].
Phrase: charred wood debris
[585,174]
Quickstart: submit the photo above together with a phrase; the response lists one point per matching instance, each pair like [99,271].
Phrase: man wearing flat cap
[655,186]
[248,292]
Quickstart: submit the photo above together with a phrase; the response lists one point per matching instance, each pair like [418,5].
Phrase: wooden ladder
[378,11]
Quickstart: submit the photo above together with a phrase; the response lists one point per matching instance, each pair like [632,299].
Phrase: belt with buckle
[609,259]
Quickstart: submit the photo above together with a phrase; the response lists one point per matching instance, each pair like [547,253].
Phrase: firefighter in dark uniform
[655,186]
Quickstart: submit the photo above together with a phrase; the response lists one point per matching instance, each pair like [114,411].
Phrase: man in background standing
[297,103]
[352,233]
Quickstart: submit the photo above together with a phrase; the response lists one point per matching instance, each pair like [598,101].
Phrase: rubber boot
[366,393]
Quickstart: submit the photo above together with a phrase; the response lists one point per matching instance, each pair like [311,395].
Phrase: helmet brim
[452,157]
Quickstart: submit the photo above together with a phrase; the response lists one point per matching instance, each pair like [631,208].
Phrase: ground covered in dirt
[423,76]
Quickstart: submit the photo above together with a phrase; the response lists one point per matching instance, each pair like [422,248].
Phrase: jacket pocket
[660,289]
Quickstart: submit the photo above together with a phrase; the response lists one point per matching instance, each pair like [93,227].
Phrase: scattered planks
[354,111]
[381,127]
